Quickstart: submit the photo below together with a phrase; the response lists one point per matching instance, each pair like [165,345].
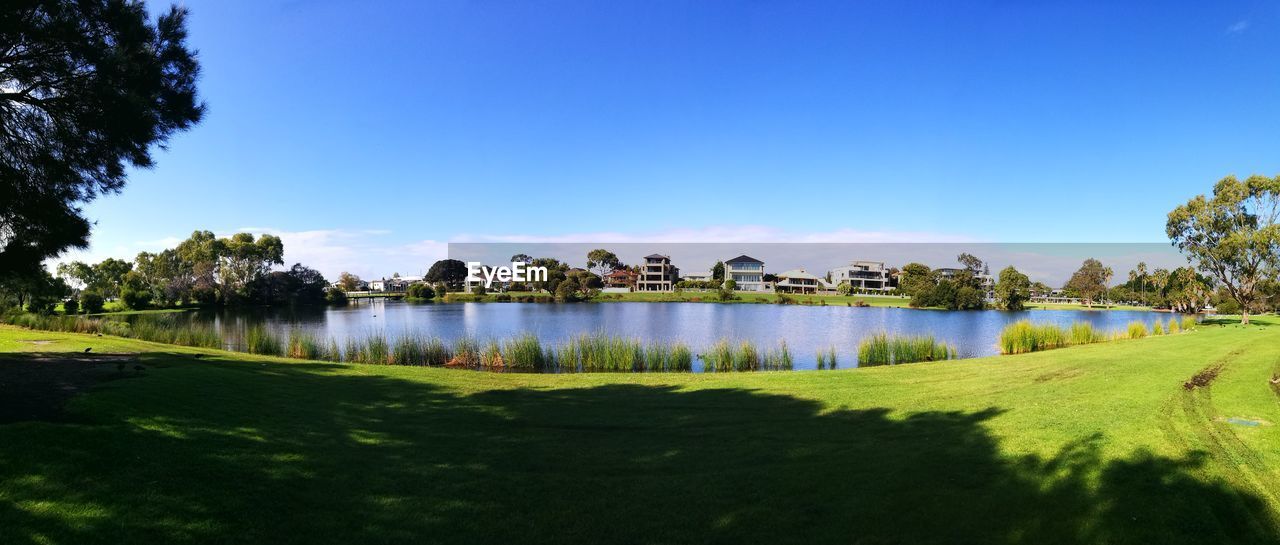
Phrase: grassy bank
[1166,439]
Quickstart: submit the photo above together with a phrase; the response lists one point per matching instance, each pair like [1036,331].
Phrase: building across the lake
[862,275]
[657,274]
[621,279]
[800,281]
[700,276]
[393,284]
[747,272]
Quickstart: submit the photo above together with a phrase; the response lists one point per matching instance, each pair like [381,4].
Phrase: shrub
[1137,330]
[91,302]
[1157,327]
[479,290]
[1228,306]
[1174,326]
[335,296]
[567,290]
[420,291]
[136,299]
[844,288]
[70,307]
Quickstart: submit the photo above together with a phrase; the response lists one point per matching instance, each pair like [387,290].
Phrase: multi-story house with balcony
[747,272]
[862,275]
[657,274]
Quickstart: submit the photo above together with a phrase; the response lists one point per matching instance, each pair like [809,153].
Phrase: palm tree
[1107,273]
[1142,278]
[1160,279]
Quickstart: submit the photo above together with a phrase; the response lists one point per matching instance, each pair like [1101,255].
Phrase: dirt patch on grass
[1203,378]
[1060,374]
[38,387]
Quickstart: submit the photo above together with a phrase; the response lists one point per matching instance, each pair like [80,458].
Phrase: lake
[805,328]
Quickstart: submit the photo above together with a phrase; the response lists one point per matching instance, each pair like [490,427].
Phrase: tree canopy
[1089,281]
[602,262]
[1232,235]
[87,89]
[1013,289]
[451,272]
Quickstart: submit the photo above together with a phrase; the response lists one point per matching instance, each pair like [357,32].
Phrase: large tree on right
[1233,235]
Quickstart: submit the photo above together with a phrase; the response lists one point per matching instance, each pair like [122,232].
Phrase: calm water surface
[805,328]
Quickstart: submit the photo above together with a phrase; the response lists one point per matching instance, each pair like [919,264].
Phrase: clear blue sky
[370,132]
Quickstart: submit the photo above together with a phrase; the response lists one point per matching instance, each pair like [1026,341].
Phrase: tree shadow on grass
[273,453]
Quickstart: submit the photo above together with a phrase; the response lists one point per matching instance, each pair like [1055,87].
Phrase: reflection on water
[805,328]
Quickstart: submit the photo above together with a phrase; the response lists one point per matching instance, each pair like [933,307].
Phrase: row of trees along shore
[202,270]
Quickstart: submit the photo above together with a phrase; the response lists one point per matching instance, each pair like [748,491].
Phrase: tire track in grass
[1193,419]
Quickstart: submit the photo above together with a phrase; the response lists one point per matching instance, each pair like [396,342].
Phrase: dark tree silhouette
[87,88]
[449,271]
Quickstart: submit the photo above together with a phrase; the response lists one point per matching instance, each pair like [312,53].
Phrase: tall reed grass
[595,352]
[883,349]
[1188,323]
[1023,336]
[746,356]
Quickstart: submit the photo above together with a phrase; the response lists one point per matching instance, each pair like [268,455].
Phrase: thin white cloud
[1238,26]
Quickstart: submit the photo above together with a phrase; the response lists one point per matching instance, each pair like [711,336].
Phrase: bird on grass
[86,351]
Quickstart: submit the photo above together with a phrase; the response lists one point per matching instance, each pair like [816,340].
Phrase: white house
[862,275]
[800,281]
[393,284]
[700,276]
[747,272]
[657,274]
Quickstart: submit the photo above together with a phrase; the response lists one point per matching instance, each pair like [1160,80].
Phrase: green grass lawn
[1094,444]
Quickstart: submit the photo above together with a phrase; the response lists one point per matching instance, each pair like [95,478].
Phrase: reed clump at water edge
[885,349]
[1024,336]
[725,356]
